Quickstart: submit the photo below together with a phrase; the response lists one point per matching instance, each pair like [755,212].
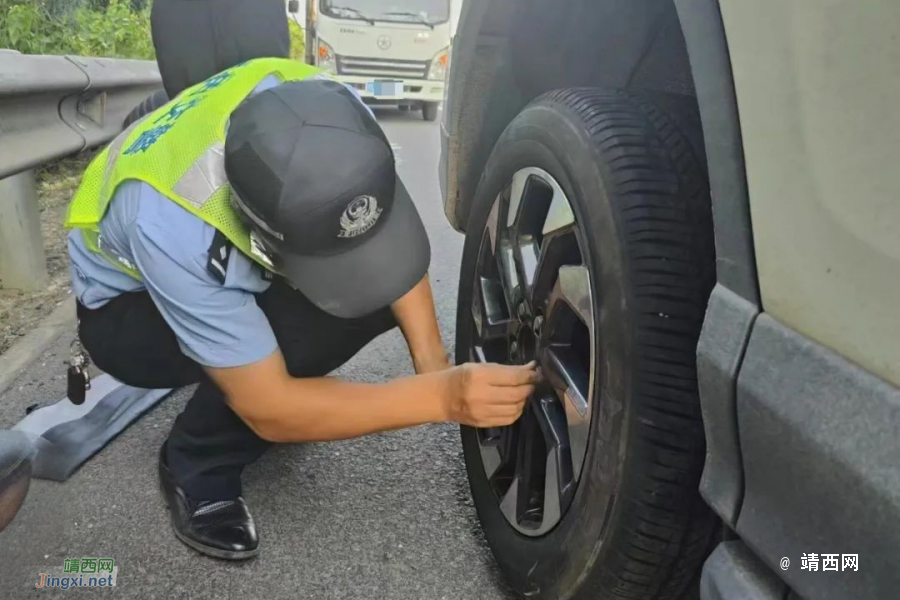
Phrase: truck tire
[593,493]
[430,111]
[195,39]
[155,100]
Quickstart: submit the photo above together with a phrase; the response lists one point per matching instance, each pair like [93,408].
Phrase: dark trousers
[209,445]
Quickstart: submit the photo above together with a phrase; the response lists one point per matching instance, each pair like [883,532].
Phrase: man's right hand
[487,395]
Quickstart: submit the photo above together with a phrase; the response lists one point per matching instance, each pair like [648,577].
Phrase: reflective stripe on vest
[205,177]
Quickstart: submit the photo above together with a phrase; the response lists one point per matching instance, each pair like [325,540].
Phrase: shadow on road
[395,115]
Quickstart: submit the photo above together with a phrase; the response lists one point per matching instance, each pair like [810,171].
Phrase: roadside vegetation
[109,28]
[112,28]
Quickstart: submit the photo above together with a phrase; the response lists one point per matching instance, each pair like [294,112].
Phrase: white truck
[391,51]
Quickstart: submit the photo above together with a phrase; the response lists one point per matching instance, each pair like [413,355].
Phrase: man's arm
[280,408]
[415,314]
[221,326]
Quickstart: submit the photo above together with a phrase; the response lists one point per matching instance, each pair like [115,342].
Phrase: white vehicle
[391,51]
[687,212]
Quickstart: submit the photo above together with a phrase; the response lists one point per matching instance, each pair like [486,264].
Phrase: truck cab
[391,51]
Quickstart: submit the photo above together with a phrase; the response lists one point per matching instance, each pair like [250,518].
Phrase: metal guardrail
[51,107]
[54,106]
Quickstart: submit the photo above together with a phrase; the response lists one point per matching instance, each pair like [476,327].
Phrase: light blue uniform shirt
[216,325]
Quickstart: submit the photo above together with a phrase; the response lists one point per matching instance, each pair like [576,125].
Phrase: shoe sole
[212,550]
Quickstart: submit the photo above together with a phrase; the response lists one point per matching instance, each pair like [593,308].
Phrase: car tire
[430,111]
[635,526]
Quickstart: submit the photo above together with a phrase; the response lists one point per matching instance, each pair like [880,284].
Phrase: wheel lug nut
[514,348]
[522,309]
[537,325]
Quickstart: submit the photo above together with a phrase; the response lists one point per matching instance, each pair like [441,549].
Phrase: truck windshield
[401,11]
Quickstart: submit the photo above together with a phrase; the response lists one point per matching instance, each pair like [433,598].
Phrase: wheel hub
[533,301]
[524,344]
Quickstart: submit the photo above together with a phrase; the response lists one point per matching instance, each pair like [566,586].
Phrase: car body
[799,359]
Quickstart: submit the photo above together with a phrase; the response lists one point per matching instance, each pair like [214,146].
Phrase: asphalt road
[387,517]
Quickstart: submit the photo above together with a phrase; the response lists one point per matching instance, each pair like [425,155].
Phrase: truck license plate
[385,88]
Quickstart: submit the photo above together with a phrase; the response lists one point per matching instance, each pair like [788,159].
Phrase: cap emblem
[359,216]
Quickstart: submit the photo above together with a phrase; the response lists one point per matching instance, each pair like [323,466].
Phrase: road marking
[395,148]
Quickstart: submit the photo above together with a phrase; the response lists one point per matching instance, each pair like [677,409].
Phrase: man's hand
[487,395]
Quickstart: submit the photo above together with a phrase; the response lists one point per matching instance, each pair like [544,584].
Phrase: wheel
[147,106]
[589,248]
[430,111]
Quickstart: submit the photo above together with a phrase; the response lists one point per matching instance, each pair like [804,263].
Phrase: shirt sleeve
[216,325]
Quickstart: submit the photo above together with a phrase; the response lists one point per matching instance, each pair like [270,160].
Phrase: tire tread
[661,188]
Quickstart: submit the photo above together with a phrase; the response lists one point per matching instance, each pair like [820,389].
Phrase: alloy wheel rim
[532,300]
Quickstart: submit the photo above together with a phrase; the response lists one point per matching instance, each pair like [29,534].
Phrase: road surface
[387,517]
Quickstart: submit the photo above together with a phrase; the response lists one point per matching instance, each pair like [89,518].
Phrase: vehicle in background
[687,211]
[391,51]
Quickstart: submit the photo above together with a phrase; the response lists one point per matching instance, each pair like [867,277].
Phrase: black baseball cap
[313,175]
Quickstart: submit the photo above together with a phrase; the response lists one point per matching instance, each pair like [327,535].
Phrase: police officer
[252,236]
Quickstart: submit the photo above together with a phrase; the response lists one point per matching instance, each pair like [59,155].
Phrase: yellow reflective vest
[179,150]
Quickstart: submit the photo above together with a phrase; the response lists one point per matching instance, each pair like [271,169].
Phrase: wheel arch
[508,52]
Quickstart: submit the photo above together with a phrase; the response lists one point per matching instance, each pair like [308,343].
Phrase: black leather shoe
[223,529]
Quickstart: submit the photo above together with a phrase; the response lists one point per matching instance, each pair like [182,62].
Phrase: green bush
[298,40]
[88,28]
[114,28]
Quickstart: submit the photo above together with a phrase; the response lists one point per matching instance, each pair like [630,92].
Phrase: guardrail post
[23,264]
